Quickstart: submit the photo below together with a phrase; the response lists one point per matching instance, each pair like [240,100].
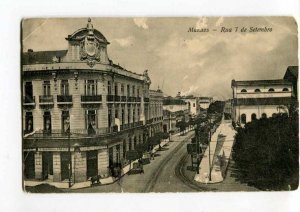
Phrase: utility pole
[209,150]
[68,131]
[197,147]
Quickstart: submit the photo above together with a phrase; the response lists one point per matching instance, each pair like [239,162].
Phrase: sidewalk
[220,150]
[105,181]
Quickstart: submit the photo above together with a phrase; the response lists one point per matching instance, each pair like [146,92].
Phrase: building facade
[174,110]
[192,102]
[81,112]
[204,102]
[259,98]
[155,112]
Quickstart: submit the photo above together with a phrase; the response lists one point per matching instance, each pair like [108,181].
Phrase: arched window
[257,90]
[243,118]
[271,90]
[244,91]
[285,89]
[253,117]
[264,116]
[274,115]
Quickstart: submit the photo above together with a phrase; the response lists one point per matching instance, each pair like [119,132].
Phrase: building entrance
[47,165]
[91,163]
[29,165]
[64,165]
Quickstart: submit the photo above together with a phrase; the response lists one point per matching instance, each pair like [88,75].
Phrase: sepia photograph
[159,104]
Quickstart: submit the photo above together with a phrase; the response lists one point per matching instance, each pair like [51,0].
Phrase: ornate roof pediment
[89,32]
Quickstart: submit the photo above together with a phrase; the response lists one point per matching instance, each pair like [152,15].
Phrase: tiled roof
[263,101]
[41,57]
[260,82]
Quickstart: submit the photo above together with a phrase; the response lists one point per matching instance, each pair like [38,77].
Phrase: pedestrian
[206,178]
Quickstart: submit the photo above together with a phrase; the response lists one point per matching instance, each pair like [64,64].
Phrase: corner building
[79,106]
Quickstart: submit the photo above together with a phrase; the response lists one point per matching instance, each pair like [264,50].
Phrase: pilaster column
[56,167]
[38,165]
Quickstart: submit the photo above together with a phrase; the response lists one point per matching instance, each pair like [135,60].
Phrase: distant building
[204,102]
[174,110]
[255,99]
[192,102]
[81,112]
[155,115]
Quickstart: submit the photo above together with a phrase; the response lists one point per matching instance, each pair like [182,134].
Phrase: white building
[174,110]
[260,98]
[193,105]
[204,102]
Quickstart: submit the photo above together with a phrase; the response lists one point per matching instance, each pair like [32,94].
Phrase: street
[159,175]
[168,173]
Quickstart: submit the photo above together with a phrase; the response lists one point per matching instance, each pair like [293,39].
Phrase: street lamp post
[209,149]
[197,148]
[68,132]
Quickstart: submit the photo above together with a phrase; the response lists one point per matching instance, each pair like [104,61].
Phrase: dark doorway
[47,122]
[64,165]
[91,163]
[111,157]
[165,128]
[243,119]
[65,121]
[28,122]
[253,117]
[47,164]
[28,92]
[29,165]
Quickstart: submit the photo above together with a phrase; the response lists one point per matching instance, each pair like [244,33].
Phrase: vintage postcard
[159,104]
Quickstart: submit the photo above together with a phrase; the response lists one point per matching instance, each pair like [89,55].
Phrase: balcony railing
[64,99]
[117,98]
[92,99]
[46,99]
[149,121]
[29,100]
[75,133]
[131,99]
[123,99]
[110,98]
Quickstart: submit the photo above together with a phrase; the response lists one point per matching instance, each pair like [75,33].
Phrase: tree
[216,107]
[266,152]
[182,126]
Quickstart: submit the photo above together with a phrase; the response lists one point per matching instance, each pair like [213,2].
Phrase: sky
[194,63]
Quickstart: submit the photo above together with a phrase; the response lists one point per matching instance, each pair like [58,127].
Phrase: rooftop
[260,82]
[42,57]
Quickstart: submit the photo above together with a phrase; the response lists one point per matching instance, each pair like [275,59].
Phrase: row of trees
[266,152]
[148,145]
